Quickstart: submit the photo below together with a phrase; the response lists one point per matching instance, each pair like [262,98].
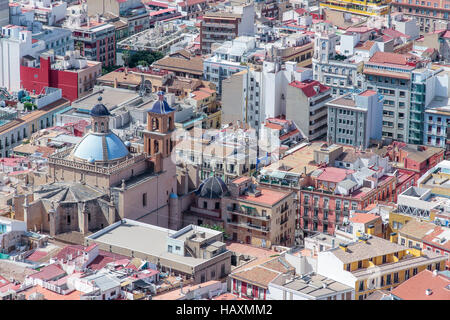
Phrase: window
[348,267]
[169,249]
[213,274]
[388,279]
[217,206]
[144,199]
[406,274]
[438,266]
[360,264]
[415,271]
[382,281]
[384,259]
[205,205]
[68,219]
[396,277]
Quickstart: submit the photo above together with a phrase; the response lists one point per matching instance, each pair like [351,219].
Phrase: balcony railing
[254,215]
[249,225]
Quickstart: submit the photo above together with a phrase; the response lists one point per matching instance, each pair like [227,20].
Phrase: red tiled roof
[308,87]
[301,11]
[391,58]
[359,217]
[365,46]
[48,272]
[395,33]
[335,175]
[434,239]
[91,247]
[36,256]
[368,93]
[50,295]
[415,287]
[3,281]
[289,134]
[273,126]
[267,197]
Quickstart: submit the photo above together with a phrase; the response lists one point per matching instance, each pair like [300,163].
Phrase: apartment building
[4,12]
[231,57]
[391,75]
[431,15]
[73,74]
[260,92]
[340,73]
[96,41]
[57,39]
[329,193]
[355,119]
[218,27]
[373,263]
[13,132]
[258,215]
[372,8]
[420,204]
[16,43]
[306,106]
[229,153]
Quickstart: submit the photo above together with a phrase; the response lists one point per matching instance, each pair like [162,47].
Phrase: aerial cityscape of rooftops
[224,150]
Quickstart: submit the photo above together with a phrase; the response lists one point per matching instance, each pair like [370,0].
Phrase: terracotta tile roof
[240,179]
[193,65]
[415,288]
[227,296]
[374,247]
[289,134]
[310,88]
[50,295]
[439,237]
[416,229]
[390,58]
[335,175]
[365,46]
[268,197]
[48,272]
[395,33]
[273,126]
[261,275]
[256,275]
[359,217]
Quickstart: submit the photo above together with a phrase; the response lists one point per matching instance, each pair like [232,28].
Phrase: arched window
[96,127]
[156,144]
[155,124]
[170,122]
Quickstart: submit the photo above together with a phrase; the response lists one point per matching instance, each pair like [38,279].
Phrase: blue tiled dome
[99,110]
[212,188]
[161,106]
[92,146]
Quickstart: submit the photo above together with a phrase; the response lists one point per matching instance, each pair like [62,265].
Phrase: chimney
[435,272]
[428,292]
[343,246]
[394,237]
[371,229]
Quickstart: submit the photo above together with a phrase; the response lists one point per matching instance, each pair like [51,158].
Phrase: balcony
[248,225]
[250,214]
[283,221]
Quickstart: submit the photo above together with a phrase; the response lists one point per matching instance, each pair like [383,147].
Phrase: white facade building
[15,44]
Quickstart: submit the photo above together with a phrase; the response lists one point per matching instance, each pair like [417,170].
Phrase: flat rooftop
[314,285]
[144,238]
[111,98]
